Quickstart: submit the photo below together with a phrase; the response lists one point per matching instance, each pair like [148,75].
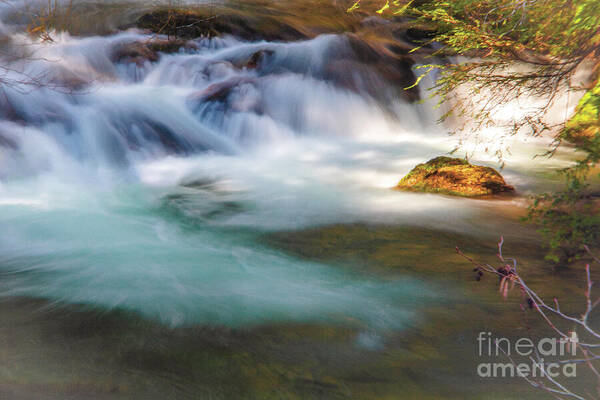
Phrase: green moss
[444,161]
[585,123]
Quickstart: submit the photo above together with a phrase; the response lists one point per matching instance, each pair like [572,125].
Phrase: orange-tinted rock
[454,176]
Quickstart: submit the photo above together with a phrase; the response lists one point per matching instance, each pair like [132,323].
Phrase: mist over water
[149,185]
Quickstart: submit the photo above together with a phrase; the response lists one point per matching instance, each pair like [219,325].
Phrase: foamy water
[149,185]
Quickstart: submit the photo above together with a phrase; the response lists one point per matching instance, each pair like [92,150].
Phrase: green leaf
[385,7]
[354,6]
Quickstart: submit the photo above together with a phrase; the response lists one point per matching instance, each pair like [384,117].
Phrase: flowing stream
[145,187]
[139,192]
[149,185]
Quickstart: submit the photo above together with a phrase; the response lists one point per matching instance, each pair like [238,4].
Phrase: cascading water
[149,185]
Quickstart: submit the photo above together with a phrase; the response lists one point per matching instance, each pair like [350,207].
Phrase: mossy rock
[454,176]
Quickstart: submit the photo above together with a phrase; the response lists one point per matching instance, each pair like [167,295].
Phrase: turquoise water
[148,185]
[135,193]
[132,248]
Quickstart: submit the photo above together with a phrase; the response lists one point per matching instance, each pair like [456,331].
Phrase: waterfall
[148,181]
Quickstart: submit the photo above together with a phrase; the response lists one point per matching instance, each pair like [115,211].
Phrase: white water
[137,189]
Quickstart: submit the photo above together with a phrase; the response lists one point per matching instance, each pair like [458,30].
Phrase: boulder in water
[454,176]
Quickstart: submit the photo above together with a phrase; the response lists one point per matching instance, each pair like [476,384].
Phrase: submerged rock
[255,60]
[141,51]
[377,57]
[454,176]
[137,52]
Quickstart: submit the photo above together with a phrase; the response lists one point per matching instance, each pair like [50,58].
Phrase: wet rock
[375,21]
[218,91]
[140,52]
[454,176]
[355,71]
[374,44]
[364,51]
[137,52]
[255,60]
[197,23]
[418,34]
[169,45]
